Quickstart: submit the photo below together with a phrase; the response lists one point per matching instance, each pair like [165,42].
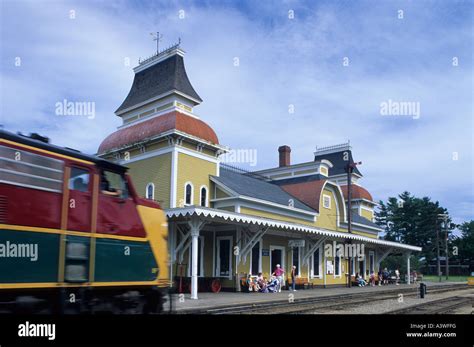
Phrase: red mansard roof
[307,192]
[358,192]
[157,125]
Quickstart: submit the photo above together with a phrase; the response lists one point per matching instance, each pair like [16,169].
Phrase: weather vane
[157,37]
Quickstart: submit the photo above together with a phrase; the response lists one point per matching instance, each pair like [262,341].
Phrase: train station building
[225,222]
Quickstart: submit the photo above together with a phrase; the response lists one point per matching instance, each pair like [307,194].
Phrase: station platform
[227,299]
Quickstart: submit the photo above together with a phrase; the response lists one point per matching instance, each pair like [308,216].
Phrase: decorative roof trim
[155,98]
[333,149]
[157,58]
[288,169]
[248,219]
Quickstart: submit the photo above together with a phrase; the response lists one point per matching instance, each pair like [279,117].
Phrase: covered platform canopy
[190,220]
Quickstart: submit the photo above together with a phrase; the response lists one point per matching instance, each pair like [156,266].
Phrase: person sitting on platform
[273,285]
[262,283]
[380,275]
[251,284]
[372,279]
[360,280]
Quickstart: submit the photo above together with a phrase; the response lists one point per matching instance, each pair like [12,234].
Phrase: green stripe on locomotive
[115,260]
[120,260]
[22,267]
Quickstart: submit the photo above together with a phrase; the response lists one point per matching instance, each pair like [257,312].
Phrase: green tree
[414,221]
[465,243]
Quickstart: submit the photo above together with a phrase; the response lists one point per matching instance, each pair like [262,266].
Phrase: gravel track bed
[387,305]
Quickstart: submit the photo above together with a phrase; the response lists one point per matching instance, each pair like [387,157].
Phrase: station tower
[170,151]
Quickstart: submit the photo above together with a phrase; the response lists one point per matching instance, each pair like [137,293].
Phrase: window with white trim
[256,259]
[337,266]
[353,265]
[326,201]
[371,262]
[362,267]
[203,196]
[150,191]
[188,193]
[316,263]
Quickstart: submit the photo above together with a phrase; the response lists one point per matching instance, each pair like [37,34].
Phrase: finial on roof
[158,54]
[157,38]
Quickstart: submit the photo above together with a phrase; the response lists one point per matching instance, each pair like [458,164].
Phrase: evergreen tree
[414,221]
[464,244]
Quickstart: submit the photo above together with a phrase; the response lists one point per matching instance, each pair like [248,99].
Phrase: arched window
[188,194]
[203,199]
[150,191]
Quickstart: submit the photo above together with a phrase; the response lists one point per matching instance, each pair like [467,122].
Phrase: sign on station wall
[296,243]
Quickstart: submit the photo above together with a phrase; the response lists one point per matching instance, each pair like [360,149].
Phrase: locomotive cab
[90,228]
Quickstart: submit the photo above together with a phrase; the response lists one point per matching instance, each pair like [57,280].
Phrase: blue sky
[283,62]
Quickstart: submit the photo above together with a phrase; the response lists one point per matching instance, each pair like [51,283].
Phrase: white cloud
[282,62]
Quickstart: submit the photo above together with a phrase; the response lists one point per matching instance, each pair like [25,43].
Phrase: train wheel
[167,303]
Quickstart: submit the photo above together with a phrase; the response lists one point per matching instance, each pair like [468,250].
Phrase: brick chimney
[284,155]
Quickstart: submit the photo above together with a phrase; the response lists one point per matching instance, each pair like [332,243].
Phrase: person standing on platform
[293,278]
[397,274]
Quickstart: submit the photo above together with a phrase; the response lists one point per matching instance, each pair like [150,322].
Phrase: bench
[300,282]
[243,283]
[354,281]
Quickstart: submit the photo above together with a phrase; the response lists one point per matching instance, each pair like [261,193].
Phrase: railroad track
[436,306]
[305,305]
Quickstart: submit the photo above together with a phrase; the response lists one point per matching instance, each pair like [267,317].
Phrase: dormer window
[326,201]
[323,170]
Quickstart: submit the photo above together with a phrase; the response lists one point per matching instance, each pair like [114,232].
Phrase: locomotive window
[26,169]
[79,179]
[114,184]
